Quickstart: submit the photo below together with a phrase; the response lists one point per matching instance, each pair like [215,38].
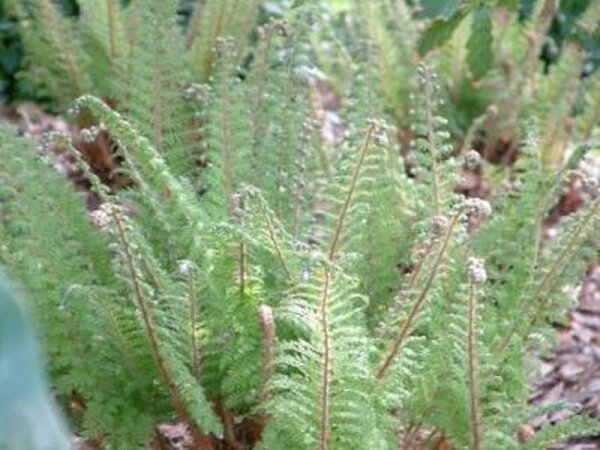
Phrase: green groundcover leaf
[28,417]
[440,30]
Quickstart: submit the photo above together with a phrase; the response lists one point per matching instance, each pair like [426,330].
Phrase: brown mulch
[32,122]
[572,372]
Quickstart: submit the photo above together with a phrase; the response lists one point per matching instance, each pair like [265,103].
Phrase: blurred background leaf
[29,419]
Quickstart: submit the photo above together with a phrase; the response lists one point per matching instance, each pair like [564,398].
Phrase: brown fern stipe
[267,329]
[201,439]
[407,326]
[474,410]
[342,217]
[193,324]
[325,427]
[274,241]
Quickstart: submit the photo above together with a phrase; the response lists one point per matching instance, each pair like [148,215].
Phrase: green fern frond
[318,392]
[218,19]
[56,60]
[579,426]
[101,26]
[153,77]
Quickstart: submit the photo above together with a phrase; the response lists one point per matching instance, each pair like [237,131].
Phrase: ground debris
[572,372]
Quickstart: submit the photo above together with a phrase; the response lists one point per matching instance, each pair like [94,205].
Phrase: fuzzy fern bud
[100,218]
[476,271]
[439,225]
[472,160]
[198,93]
[74,111]
[103,216]
[58,139]
[380,131]
[589,185]
[224,46]
[477,208]
[88,135]
[185,267]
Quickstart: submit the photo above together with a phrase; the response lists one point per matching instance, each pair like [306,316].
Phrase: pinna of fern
[313,375]
[320,398]
[389,29]
[533,280]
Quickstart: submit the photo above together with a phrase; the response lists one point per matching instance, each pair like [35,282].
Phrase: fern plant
[265,286]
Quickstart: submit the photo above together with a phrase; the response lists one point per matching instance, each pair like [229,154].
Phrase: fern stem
[216,28]
[429,440]
[242,275]
[475,411]
[228,420]
[193,26]
[406,327]
[415,275]
[201,439]
[274,241]
[476,124]
[153,276]
[227,147]
[158,109]
[260,82]
[62,44]
[412,433]
[193,339]
[571,246]
[132,51]
[432,144]
[110,5]
[249,15]
[325,431]
[591,125]
[267,328]
[351,189]
[517,91]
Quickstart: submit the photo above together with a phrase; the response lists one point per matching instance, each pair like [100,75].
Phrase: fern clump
[270,283]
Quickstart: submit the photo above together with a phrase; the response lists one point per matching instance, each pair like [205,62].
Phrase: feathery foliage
[287,269]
